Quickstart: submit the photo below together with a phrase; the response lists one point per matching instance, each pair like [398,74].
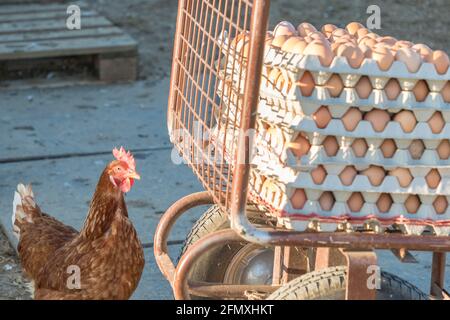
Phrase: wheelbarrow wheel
[241,263]
[329,284]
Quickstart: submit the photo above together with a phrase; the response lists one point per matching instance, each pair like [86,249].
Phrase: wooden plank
[34,16]
[28,8]
[69,47]
[26,26]
[66,34]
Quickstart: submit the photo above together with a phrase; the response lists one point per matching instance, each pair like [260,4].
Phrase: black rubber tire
[329,284]
[211,267]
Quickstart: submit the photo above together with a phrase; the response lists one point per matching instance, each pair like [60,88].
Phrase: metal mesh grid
[197,110]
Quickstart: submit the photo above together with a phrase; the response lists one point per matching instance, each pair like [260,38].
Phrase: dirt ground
[152,23]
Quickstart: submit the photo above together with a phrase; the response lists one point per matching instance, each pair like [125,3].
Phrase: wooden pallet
[37,32]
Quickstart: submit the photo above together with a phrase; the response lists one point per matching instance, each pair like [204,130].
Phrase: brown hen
[103,261]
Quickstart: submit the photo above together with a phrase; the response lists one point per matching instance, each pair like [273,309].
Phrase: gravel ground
[13,286]
[152,23]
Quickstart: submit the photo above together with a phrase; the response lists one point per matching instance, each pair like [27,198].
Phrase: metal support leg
[438,276]
[358,286]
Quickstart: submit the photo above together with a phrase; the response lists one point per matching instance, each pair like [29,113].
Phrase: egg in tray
[352,129]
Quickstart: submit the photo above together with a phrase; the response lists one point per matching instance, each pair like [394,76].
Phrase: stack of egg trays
[291,112]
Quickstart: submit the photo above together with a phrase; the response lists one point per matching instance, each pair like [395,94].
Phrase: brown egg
[372,35]
[440,204]
[353,27]
[336,44]
[334,86]
[388,148]
[416,149]
[320,49]
[436,122]
[375,174]
[407,120]
[362,32]
[298,199]
[308,39]
[300,146]
[363,87]
[359,147]
[410,58]
[305,28]
[316,35]
[348,175]
[392,89]
[412,203]
[384,202]
[273,76]
[366,50]
[326,201]
[443,149]
[352,53]
[294,45]
[404,44]
[284,28]
[328,29]
[319,174]
[388,40]
[378,118]
[445,92]
[278,42]
[322,117]
[424,51]
[403,176]
[355,202]
[306,84]
[351,118]
[268,41]
[440,61]
[367,41]
[339,32]
[421,90]
[383,56]
[433,178]
[331,146]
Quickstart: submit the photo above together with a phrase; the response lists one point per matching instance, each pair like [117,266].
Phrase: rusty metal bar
[166,223]
[224,291]
[323,257]
[195,251]
[174,72]
[437,274]
[357,286]
[239,189]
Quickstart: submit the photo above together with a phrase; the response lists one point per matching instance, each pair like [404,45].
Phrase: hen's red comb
[122,155]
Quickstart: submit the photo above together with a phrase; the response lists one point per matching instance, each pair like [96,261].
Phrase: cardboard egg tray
[278,173]
[275,196]
[297,63]
[289,124]
[349,97]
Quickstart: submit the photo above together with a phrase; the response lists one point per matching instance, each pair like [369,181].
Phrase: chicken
[103,261]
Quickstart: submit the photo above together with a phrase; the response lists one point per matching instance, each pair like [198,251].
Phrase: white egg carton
[277,204]
[293,99]
[369,67]
[361,183]
[275,196]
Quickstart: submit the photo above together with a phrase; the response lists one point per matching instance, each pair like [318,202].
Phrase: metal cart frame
[187,98]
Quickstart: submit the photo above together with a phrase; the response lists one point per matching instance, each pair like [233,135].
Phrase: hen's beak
[134,175]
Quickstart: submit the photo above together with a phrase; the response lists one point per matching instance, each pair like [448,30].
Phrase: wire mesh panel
[202,125]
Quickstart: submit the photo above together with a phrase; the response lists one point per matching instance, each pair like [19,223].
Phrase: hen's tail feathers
[24,208]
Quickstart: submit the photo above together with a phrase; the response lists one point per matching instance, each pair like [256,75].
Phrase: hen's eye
[118,169]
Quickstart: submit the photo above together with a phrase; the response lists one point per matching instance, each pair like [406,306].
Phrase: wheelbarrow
[235,250]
